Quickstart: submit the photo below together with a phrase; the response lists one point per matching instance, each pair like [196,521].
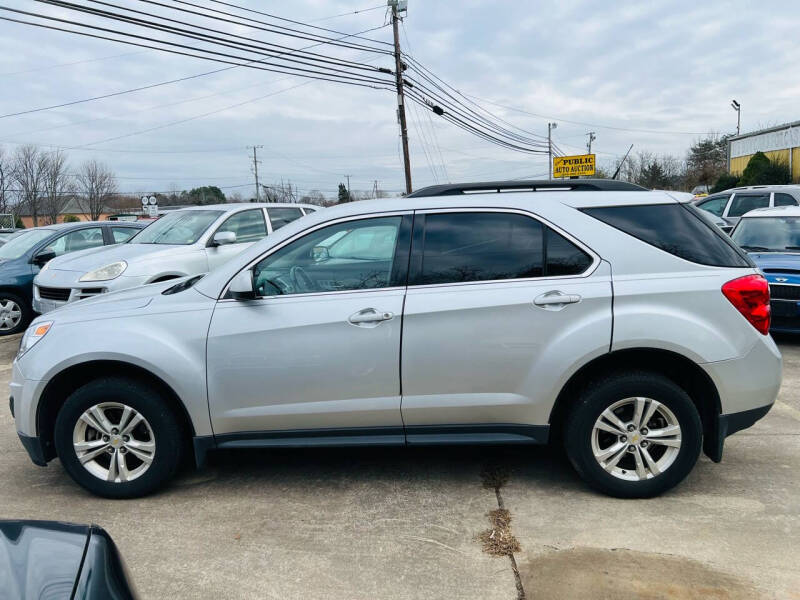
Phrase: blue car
[27,252]
[771,236]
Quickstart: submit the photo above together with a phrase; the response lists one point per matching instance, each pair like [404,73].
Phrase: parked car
[7,233]
[772,238]
[28,251]
[731,204]
[55,560]
[183,242]
[619,322]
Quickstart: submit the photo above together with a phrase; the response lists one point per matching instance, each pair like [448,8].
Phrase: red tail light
[750,295]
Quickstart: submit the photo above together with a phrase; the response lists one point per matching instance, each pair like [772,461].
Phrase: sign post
[574,166]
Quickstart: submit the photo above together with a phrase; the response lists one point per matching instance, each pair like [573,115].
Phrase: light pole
[738,108]
[550,127]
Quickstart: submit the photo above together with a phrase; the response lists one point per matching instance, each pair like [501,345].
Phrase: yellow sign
[573,166]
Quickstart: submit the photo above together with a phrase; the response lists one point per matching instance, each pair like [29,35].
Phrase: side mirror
[44,257]
[320,253]
[222,238]
[241,287]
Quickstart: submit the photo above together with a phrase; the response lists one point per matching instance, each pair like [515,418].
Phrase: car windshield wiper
[755,248]
[792,248]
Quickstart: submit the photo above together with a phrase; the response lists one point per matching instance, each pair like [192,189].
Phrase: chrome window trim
[305,232]
[596,260]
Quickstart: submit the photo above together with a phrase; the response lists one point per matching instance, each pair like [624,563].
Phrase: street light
[550,127]
[738,108]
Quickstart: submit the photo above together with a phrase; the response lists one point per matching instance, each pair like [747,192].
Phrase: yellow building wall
[740,162]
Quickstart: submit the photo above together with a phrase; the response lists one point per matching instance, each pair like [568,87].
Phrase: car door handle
[370,315]
[556,298]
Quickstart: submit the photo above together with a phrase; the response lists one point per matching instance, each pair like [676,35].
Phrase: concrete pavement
[405,523]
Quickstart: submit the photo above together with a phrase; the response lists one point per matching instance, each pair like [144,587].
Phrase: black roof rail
[568,185]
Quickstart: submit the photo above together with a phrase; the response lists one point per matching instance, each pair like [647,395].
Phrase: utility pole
[255,171]
[592,137]
[738,108]
[550,127]
[375,189]
[349,195]
[397,7]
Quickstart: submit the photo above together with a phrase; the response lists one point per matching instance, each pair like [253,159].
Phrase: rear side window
[674,228]
[278,217]
[475,246]
[743,203]
[123,234]
[715,205]
[785,200]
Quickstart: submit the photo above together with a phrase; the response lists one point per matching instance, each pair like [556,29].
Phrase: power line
[69,64]
[347,14]
[118,93]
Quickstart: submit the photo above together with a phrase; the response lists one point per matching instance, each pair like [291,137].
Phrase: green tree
[725,182]
[755,170]
[71,219]
[209,194]
[19,224]
[344,195]
[707,160]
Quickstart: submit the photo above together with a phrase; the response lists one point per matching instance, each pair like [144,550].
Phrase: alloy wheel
[636,439]
[10,314]
[114,442]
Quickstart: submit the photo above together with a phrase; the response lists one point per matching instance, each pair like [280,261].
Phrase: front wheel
[15,314]
[118,438]
[633,435]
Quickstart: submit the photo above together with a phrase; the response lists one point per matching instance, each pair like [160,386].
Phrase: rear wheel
[633,435]
[15,314]
[118,438]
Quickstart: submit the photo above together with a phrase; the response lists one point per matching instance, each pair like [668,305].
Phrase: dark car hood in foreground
[54,560]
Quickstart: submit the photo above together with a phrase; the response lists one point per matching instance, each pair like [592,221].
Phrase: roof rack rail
[567,185]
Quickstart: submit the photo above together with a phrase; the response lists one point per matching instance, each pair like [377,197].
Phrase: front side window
[743,203]
[354,255]
[123,234]
[475,246]
[182,227]
[77,240]
[248,225]
[675,228]
[785,200]
[768,234]
[715,206]
[278,217]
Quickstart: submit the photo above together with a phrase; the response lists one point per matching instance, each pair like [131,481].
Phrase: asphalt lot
[406,523]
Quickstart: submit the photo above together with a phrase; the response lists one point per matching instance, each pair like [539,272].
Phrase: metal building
[781,143]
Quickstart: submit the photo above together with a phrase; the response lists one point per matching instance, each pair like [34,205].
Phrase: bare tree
[57,186]
[281,192]
[30,165]
[314,197]
[96,183]
[5,181]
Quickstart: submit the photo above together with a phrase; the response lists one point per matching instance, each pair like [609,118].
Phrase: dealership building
[781,143]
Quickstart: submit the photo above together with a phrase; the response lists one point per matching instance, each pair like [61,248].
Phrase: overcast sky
[617,68]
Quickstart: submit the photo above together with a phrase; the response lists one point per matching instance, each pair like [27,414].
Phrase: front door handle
[556,299]
[370,316]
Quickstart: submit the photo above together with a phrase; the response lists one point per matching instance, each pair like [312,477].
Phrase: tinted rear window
[674,228]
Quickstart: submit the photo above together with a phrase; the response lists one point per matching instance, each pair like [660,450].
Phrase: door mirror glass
[222,238]
[44,256]
[241,287]
[320,254]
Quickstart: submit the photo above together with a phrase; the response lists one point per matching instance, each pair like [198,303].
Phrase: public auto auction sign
[573,166]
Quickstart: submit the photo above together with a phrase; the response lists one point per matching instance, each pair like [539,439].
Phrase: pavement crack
[499,540]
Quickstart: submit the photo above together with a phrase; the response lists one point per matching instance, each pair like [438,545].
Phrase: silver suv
[731,204]
[616,322]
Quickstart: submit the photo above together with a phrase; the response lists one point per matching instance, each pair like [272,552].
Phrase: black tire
[25,309]
[600,395]
[166,428]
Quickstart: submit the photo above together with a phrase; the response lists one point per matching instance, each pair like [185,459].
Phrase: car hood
[94,258]
[783,261]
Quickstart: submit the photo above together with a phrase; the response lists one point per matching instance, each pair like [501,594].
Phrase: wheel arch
[683,371]
[70,379]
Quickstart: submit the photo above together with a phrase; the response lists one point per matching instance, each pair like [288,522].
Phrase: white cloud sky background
[670,67]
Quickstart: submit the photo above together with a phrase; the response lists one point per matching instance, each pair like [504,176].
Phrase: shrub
[71,219]
[725,182]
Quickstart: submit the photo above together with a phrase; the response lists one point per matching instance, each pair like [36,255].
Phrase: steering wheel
[302,282]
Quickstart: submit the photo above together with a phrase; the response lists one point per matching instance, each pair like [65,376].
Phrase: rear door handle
[370,316]
[555,299]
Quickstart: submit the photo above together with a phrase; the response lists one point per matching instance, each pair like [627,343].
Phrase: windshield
[182,227]
[768,234]
[21,243]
